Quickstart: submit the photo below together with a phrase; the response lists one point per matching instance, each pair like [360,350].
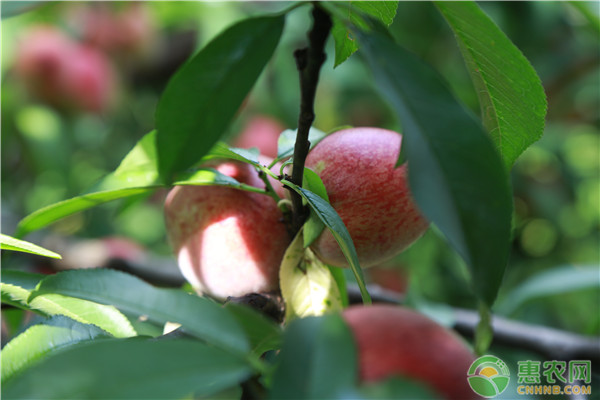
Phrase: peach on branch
[372,197]
[395,341]
[228,242]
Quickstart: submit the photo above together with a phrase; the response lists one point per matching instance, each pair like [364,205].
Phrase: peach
[228,242]
[41,57]
[395,341]
[64,73]
[369,193]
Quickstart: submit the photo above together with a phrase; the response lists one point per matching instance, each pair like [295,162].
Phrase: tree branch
[308,61]
[553,344]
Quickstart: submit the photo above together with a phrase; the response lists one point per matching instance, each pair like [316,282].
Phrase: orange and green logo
[488,376]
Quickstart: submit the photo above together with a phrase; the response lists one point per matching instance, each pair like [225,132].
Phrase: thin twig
[308,61]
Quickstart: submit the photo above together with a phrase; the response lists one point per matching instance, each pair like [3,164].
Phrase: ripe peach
[393,340]
[64,73]
[228,242]
[42,54]
[261,132]
[371,196]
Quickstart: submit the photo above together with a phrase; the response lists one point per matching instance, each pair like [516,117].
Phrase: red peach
[42,54]
[369,193]
[228,242]
[64,73]
[395,341]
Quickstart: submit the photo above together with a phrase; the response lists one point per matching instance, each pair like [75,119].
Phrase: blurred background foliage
[52,151]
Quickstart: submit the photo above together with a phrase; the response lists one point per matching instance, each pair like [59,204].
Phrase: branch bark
[308,62]
[553,344]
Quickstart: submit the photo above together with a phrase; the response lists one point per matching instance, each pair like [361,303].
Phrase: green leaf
[45,216]
[130,369]
[212,177]
[203,96]
[137,174]
[263,333]
[39,340]
[334,223]
[199,316]
[10,243]
[455,172]
[313,226]
[307,285]
[511,95]
[221,150]
[287,141]
[340,280]
[550,283]
[14,293]
[25,280]
[139,168]
[352,12]
[344,41]
[87,312]
[317,361]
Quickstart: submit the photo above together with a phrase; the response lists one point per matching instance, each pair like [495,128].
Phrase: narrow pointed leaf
[455,172]
[317,360]
[45,216]
[221,150]
[136,175]
[334,223]
[10,243]
[314,226]
[130,369]
[212,177]
[512,99]
[39,340]
[199,316]
[139,168]
[203,96]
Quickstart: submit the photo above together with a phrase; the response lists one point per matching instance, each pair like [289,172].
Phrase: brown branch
[308,61]
[551,343]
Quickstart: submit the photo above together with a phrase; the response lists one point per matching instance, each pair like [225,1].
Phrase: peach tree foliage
[459,181]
